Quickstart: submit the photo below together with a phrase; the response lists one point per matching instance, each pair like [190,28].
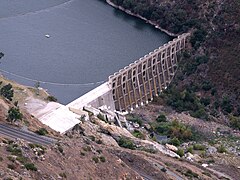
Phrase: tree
[7,91]
[161,118]
[14,114]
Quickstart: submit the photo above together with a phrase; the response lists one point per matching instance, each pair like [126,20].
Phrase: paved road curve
[27,136]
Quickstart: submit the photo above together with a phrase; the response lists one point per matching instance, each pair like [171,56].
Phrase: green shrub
[30,166]
[14,114]
[135,120]
[149,150]
[22,159]
[161,118]
[101,117]
[205,101]
[199,147]
[175,141]
[42,132]
[126,143]
[206,86]
[173,129]
[189,173]
[31,145]
[95,159]
[102,159]
[190,149]
[138,134]
[200,113]
[7,91]
[180,152]
[226,105]
[234,122]
[14,150]
[221,149]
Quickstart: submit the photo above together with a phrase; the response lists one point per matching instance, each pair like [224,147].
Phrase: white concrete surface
[61,119]
[91,96]
[55,115]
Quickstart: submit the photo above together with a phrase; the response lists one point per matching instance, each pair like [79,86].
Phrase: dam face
[138,83]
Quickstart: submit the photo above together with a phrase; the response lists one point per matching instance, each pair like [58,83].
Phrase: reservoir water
[89,40]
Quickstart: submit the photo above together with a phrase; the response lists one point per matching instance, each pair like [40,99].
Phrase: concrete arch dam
[136,84]
[131,87]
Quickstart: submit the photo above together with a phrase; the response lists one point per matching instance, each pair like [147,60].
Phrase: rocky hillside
[97,150]
[209,69]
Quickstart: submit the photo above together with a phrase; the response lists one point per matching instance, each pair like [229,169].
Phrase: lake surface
[89,40]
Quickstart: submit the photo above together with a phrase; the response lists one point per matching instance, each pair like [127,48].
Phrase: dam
[133,86]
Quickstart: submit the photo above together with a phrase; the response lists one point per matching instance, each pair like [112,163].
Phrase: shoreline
[141,17]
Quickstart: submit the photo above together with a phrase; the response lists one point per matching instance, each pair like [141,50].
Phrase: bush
[126,143]
[189,173]
[221,149]
[102,117]
[30,166]
[95,159]
[199,147]
[14,114]
[102,159]
[200,113]
[7,91]
[180,152]
[205,101]
[226,105]
[42,131]
[138,134]
[174,141]
[161,118]
[206,86]
[135,120]
[173,129]
[190,149]
[22,159]
[234,122]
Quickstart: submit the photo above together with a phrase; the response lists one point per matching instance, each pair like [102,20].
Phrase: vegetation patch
[30,166]
[126,143]
[42,132]
[176,130]
[138,134]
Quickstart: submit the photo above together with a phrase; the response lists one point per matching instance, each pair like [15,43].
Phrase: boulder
[171,147]
[211,150]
